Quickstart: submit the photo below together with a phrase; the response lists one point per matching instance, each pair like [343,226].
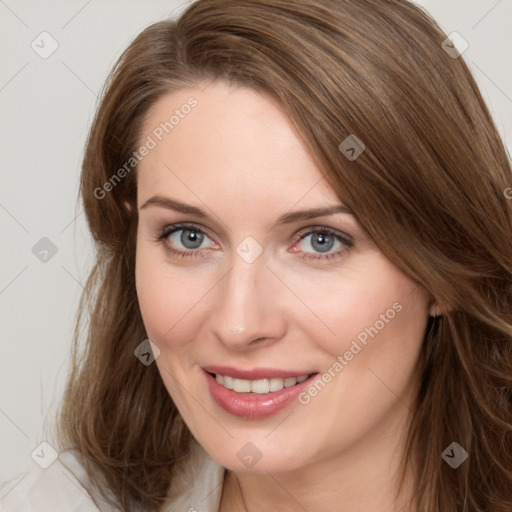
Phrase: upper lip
[255,373]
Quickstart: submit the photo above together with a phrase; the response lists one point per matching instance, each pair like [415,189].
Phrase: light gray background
[46,107]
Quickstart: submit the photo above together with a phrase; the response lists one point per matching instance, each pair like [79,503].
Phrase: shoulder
[63,486]
[198,488]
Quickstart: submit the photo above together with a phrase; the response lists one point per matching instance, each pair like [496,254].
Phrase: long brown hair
[429,188]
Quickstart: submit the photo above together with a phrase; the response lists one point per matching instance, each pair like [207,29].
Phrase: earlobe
[128,206]
[436,310]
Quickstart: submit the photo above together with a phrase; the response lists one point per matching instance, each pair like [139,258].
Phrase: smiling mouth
[258,386]
[261,393]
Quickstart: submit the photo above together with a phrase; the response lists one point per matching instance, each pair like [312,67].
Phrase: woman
[303,206]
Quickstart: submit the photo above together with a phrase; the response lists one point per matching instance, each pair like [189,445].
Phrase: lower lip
[254,405]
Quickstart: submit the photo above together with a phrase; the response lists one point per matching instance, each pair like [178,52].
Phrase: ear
[437,309]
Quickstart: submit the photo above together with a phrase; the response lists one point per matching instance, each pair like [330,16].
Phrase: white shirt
[64,487]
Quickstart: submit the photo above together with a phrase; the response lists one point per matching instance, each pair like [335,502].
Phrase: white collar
[199,485]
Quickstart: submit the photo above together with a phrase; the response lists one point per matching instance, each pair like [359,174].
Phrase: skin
[237,157]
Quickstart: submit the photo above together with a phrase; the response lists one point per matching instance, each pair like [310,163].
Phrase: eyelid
[346,238]
[178,226]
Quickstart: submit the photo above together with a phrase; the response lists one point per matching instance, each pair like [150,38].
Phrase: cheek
[370,363]
[157,295]
[170,302]
[170,299]
[369,311]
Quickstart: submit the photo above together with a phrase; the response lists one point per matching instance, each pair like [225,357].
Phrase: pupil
[322,242]
[191,239]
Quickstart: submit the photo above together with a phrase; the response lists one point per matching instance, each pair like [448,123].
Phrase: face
[252,275]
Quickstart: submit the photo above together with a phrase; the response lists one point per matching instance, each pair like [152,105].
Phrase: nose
[248,310]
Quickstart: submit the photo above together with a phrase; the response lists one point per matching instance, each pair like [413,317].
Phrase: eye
[189,238]
[186,240]
[322,243]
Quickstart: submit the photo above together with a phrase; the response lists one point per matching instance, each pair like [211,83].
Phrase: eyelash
[346,240]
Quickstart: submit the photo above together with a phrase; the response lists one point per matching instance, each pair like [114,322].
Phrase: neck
[363,477]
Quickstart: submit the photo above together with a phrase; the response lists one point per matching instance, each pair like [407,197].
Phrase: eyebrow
[287,218]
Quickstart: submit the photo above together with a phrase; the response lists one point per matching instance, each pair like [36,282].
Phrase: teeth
[276,384]
[260,386]
[289,382]
[228,382]
[241,386]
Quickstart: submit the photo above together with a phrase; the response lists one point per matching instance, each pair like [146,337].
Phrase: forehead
[229,146]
